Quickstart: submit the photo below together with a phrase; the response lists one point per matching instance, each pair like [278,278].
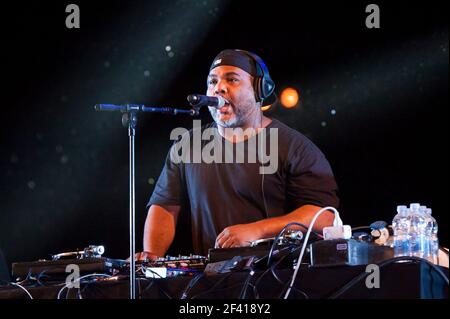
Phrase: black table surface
[397,281]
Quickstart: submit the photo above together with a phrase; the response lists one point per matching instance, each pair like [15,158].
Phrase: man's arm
[243,234]
[159,230]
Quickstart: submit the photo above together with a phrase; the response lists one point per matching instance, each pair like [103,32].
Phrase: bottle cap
[401,208]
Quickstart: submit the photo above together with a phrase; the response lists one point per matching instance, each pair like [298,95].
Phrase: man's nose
[220,88]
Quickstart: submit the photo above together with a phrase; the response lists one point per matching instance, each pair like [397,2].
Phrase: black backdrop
[64,167]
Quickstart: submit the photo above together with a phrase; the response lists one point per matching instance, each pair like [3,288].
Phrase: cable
[139,293]
[7,283]
[79,279]
[278,238]
[43,275]
[191,284]
[430,273]
[360,227]
[361,276]
[40,275]
[246,284]
[262,190]
[337,222]
[214,286]
[285,284]
[163,291]
[272,268]
[257,281]
[27,278]
[295,289]
[144,270]
[23,288]
[152,281]
[438,270]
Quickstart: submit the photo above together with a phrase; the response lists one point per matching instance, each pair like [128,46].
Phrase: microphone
[198,100]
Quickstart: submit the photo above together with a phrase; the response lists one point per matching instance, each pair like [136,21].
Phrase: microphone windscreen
[193,99]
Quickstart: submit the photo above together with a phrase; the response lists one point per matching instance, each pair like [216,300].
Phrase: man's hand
[238,236]
[144,256]
[243,234]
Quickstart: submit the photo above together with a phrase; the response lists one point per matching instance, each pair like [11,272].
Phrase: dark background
[64,167]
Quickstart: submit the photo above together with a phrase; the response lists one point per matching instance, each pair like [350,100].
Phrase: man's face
[235,85]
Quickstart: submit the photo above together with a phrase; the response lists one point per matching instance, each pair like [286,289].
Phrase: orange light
[266,107]
[289,97]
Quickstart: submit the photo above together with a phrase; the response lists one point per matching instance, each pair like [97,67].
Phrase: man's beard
[240,116]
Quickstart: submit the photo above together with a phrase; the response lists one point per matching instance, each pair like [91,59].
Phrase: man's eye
[234,80]
[212,82]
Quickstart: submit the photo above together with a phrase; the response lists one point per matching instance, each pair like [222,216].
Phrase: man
[233,204]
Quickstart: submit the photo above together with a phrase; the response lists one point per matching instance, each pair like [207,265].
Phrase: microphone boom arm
[142,108]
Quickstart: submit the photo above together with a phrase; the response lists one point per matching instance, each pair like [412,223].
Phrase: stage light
[289,98]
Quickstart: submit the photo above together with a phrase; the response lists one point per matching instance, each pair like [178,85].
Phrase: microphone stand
[129,120]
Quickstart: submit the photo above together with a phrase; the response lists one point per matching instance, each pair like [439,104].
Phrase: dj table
[410,280]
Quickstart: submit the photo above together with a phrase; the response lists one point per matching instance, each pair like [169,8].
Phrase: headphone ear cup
[263,84]
[257,88]
[267,87]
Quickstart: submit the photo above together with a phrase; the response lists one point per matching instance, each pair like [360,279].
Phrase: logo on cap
[217,61]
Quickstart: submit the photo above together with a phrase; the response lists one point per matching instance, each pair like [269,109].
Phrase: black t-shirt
[225,194]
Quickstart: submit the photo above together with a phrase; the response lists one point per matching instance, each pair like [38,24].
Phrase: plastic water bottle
[417,235]
[434,241]
[400,226]
[428,245]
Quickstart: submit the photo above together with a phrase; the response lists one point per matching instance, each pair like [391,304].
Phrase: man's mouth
[226,108]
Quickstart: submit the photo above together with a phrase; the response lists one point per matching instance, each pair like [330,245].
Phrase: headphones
[263,84]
